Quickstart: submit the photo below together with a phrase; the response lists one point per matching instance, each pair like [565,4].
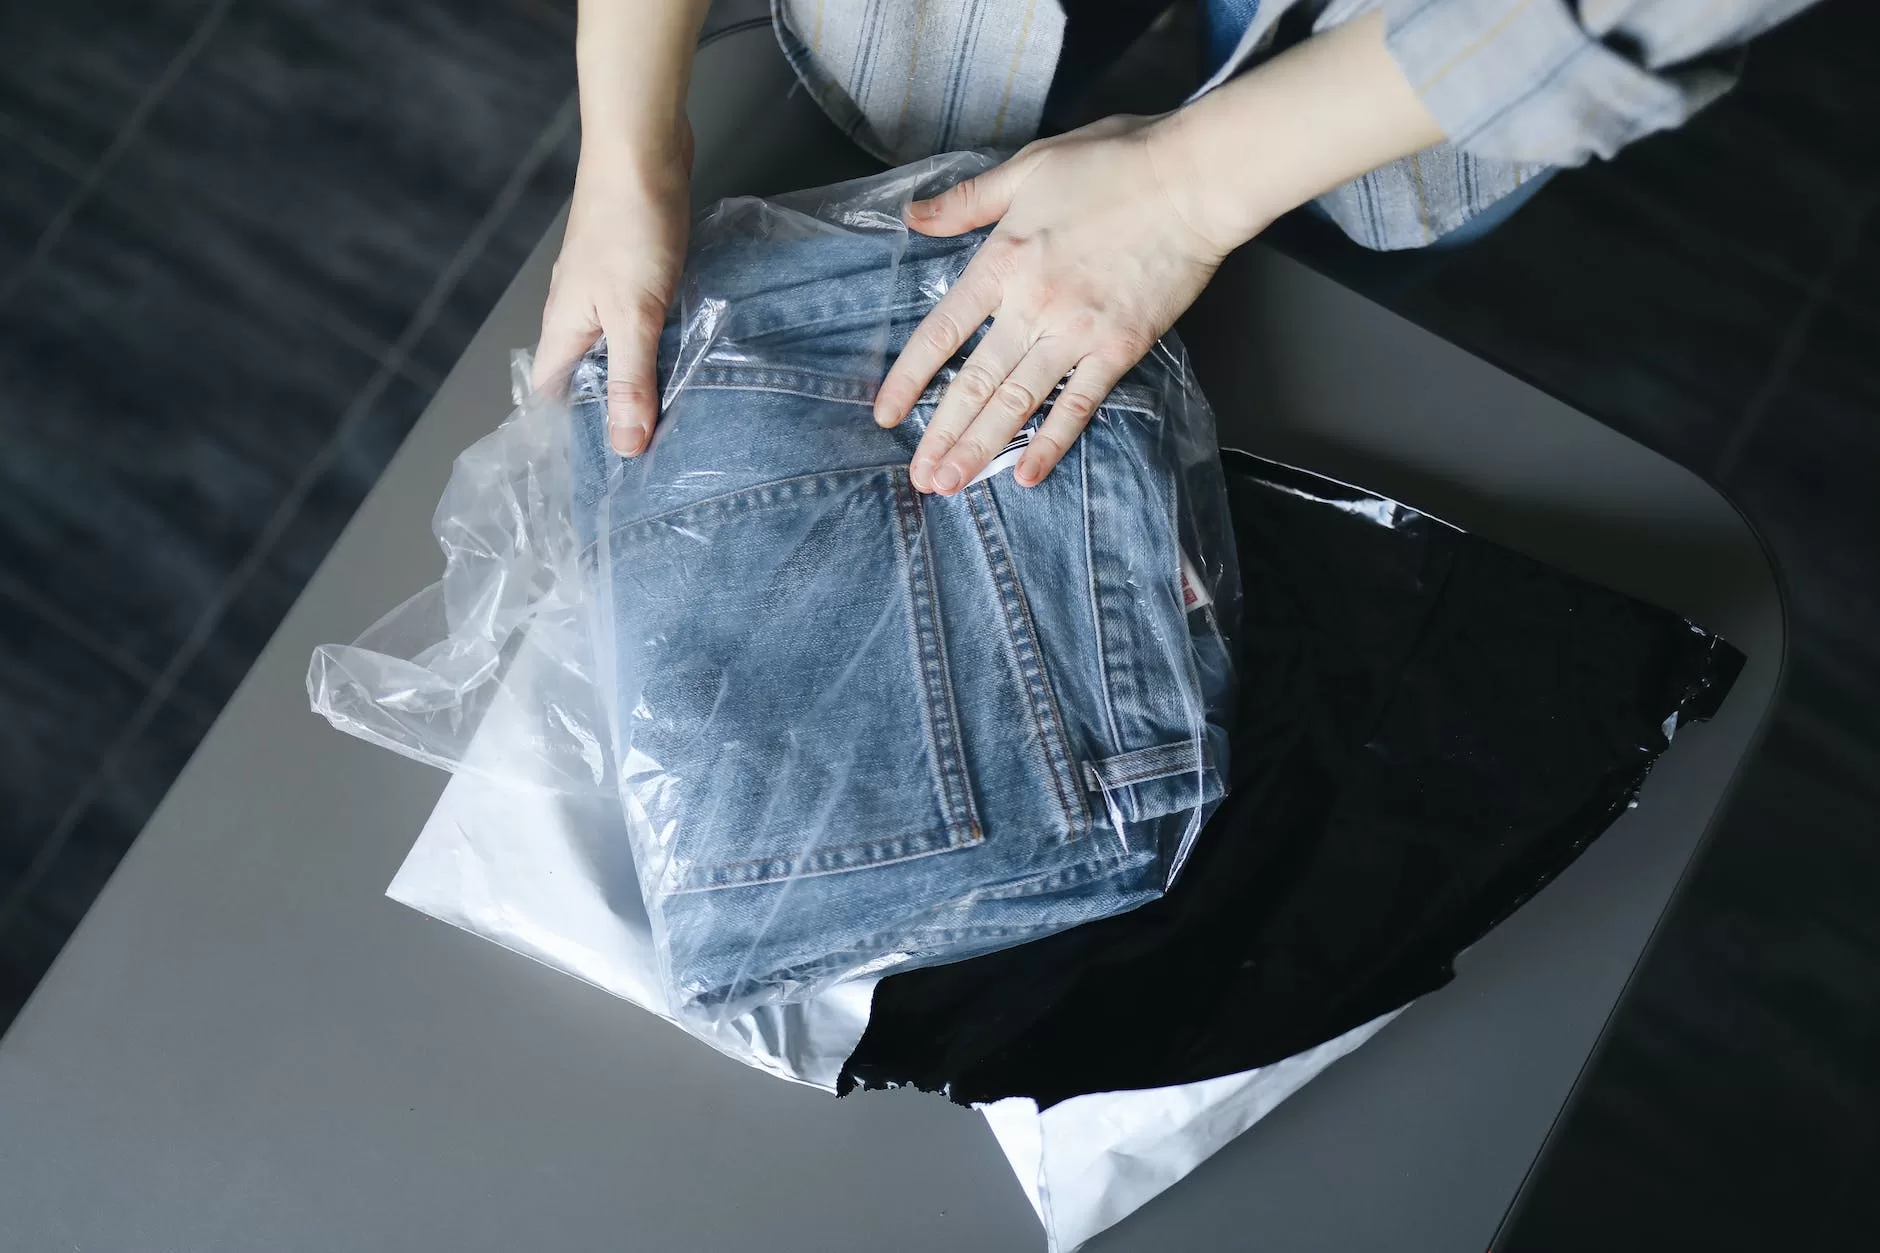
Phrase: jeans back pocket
[785,705]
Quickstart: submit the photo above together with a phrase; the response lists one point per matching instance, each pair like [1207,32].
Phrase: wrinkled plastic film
[421,680]
[859,728]
[852,728]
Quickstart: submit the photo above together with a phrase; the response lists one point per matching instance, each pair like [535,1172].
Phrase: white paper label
[1007,458]
[1195,594]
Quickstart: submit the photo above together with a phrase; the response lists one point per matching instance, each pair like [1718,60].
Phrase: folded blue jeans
[858,727]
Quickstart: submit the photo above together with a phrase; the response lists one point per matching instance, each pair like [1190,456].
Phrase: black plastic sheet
[1430,729]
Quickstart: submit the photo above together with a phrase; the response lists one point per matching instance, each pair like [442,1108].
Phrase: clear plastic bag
[507,621]
[852,727]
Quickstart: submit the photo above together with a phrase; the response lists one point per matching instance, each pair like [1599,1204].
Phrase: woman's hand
[619,266]
[1096,254]
[625,245]
[1107,234]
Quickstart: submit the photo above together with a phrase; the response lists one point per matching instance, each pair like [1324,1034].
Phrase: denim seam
[1024,638]
[1191,671]
[755,328]
[847,389]
[908,311]
[1079,812]
[813,485]
[1124,683]
[1074,876]
[813,866]
[919,937]
[1096,607]
[752,329]
[839,391]
[1013,632]
[1190,660]
[985,931]
[1119,681]
[942,721]
[959,828]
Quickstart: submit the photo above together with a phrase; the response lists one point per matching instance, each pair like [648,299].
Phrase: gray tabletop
[246,1046]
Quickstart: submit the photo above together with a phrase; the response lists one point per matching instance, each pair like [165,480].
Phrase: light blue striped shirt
[1519,86]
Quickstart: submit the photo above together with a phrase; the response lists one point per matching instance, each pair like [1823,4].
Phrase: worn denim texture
[858,727]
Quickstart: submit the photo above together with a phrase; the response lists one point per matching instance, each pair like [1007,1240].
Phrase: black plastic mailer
[1430,729]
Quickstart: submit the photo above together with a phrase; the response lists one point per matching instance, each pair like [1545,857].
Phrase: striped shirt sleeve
[1558,82]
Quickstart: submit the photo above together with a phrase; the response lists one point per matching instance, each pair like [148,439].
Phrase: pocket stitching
[813,865]
[1022,631]
[820,483]
[944,742]
[959,826]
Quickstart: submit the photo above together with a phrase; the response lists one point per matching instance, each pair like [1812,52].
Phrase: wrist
[1318,115]
[633,64]
[652,159]
[1203,180]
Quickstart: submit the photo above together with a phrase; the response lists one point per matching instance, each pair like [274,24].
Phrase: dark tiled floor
[242,240]
[72,865]
[40,178]
[77,72]
[240,243]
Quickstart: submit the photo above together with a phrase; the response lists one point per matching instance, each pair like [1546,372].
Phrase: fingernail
[1029,472]
[628,439]
[921,209]
[947,478]
[884,417]
[921,471]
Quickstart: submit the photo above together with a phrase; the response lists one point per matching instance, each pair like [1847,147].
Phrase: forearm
[1318,115]
[634,61]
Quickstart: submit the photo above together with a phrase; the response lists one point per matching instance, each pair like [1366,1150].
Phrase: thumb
[966,206]
[632,374]
[566,334]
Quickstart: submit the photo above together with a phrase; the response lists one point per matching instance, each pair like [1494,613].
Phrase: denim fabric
[1223,23]
[857,726]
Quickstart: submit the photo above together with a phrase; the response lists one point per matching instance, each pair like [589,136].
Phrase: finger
[1090,385]
[971,204]
[632,375]
[947,326]
[565,337]
[1016,399]
[1004,346]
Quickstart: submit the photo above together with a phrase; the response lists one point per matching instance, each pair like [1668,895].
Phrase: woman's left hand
[1096,254]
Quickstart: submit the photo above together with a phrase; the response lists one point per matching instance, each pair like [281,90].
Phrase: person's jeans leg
[1492,217]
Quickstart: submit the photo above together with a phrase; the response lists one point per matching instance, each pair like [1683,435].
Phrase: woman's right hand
[619,266]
